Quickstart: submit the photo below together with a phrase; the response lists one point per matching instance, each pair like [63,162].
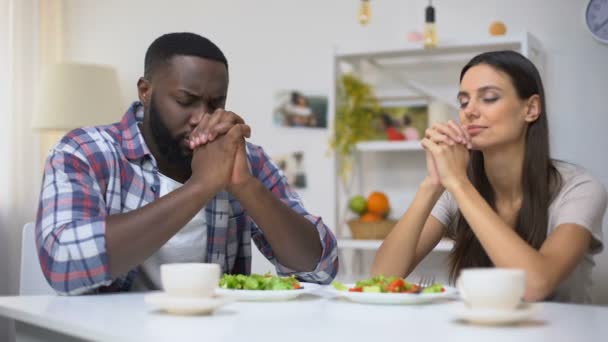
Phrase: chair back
[31,279]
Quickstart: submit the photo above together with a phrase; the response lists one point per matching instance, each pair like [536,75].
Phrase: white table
[124,317]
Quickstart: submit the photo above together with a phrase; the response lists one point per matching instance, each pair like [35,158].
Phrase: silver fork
[425,281]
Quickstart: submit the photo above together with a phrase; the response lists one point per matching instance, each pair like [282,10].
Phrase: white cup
[492,288]
[190,279]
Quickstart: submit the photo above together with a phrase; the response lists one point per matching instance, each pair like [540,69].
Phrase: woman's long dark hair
[540,179]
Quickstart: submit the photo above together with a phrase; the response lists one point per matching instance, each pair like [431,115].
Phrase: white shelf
[465,47]
[387,146]
[445,245]
[402,63]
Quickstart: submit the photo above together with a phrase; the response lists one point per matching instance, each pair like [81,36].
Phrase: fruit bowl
[370,230]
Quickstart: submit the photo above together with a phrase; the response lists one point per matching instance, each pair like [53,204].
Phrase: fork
[425,281]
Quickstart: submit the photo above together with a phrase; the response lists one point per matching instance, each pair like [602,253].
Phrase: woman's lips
[475,130]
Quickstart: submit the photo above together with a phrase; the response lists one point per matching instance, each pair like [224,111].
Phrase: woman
[493,186]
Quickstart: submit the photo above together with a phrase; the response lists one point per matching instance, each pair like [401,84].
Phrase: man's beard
[171,148]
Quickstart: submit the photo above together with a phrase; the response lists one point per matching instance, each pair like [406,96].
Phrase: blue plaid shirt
[99,171]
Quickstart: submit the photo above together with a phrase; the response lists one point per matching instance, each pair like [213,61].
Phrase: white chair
[31,279]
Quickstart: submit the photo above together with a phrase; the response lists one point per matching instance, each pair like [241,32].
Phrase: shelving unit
[386,146]
[523,42]
[405,73]
[445,245]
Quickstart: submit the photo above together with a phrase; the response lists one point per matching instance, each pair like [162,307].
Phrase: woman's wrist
[429,184]
[457,184]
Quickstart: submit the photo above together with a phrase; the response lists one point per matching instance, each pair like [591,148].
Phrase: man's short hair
[169,45]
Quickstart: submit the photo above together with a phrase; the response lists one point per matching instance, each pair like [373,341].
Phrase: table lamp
[72,95]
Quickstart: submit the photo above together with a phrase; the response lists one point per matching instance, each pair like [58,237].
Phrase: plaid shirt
[99,171]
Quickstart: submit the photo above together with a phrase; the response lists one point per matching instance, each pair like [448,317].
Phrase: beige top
[582,201]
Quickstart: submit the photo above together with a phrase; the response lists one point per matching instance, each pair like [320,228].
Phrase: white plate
[393,298]
[267,295]
[496,317]
[184,305]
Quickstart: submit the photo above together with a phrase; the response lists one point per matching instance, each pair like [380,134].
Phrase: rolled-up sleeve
[70,224]
[273,178]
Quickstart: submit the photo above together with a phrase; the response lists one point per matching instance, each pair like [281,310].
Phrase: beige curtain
[24,24]
[5,105]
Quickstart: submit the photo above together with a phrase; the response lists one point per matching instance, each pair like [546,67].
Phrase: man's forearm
[132,237]
[294,240]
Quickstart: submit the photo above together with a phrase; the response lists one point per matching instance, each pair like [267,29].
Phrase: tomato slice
[356,289]
[395,286]
[397,282]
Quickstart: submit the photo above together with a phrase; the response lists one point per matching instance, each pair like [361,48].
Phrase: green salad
[266,282]
[382,284]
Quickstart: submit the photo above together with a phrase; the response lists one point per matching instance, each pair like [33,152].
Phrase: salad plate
[262,288]
[390,290]
[267,295]
[394,298]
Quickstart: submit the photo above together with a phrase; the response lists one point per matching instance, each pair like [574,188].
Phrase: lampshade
[72,95]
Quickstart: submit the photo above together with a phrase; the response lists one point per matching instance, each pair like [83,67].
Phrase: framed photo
[297,109]
[292,165]
[402,120]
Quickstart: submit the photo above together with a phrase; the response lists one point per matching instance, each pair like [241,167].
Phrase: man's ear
[143,90]
[533,109]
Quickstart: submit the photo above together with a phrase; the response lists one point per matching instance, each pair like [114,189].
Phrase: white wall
[282,44]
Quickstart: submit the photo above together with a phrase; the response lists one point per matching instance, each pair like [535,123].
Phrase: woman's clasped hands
[447,148]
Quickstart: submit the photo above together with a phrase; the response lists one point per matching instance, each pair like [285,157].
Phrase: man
[174,181]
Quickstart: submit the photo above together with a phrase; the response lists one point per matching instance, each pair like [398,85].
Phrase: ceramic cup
[190,279]
[492,288]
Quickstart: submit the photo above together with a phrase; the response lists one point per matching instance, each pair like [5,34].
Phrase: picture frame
[402,120]
[295,108]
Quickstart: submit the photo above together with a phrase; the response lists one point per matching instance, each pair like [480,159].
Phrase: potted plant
[356,107]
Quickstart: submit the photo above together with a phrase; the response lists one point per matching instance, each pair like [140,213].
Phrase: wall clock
[596,19]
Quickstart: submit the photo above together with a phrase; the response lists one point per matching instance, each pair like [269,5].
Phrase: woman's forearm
[397,254]
[503,245]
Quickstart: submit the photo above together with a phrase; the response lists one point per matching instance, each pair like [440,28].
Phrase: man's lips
[186,142]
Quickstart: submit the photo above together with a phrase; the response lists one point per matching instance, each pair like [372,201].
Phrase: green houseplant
[356,108]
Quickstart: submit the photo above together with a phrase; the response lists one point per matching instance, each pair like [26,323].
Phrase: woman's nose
[470,111]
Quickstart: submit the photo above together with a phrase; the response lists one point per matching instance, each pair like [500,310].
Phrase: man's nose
[197,114]
[195,117]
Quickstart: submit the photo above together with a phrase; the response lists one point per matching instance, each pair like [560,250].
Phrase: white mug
[492,288]
[190,279]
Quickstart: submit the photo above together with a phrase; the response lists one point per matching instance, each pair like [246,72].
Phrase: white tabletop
[125,317]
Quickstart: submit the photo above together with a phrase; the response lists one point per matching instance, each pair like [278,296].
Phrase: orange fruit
[498,28]
[377,203]
[370,217]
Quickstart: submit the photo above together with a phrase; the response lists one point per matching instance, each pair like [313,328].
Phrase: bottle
[430,33]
